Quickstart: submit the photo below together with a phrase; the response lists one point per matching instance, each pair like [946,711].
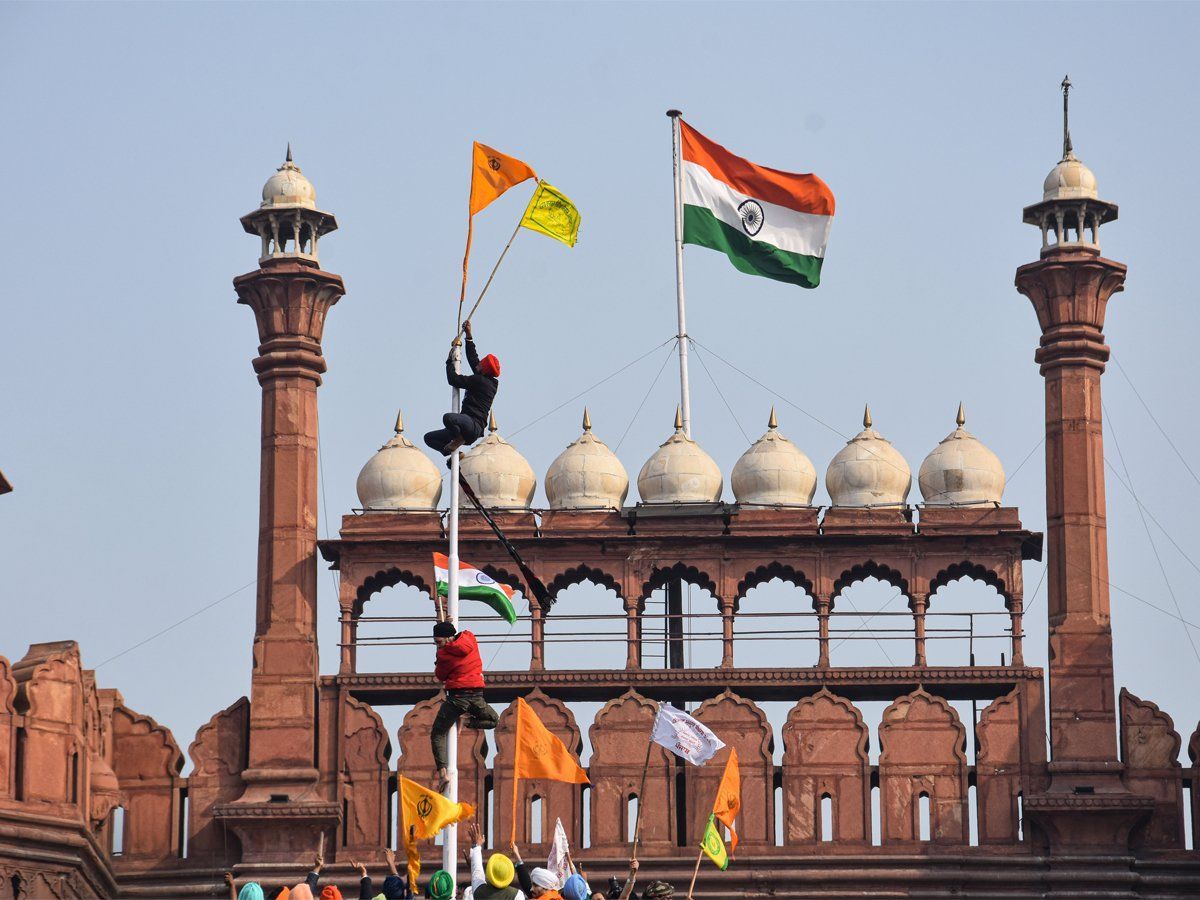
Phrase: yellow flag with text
[428,812]
[552,213]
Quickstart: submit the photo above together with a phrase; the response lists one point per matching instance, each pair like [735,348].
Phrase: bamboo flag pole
[695,872]
[488,283]
[637,831]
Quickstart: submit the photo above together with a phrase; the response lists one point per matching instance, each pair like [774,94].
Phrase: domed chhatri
[587,475]
[288,221]
[961,471]
[868,471]
[288,188]
[774,472]
[680,472]
[400,476]
[500,476]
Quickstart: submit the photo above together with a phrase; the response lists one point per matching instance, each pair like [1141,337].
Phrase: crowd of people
[502,877]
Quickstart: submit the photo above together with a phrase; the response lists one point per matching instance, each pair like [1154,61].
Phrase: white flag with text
[684,736]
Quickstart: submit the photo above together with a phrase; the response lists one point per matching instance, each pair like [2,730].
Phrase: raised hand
[318,862]
[362,870]
[389,856]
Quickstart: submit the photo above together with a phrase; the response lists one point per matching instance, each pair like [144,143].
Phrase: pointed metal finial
[399,422]
[289,152]
[587,420]
[867,416]
[773,422]
[678,419]
[492,422]
[1066,89]
[961,418]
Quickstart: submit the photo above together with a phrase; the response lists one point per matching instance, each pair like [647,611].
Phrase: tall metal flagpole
[685,399]
[450,842]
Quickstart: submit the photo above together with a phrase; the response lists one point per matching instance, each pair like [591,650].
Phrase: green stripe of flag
[753,257]
[493,597]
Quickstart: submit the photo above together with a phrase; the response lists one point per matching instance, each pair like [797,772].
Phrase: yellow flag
[712,845]
[428,812]
[552,213]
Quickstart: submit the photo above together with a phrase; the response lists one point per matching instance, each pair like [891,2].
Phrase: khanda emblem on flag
[424,807]
[494,163]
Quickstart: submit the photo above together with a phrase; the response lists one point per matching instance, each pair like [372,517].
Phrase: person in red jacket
[460,670]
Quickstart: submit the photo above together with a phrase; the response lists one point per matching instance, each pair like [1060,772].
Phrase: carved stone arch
[863,571]
[559,799]
[1150,750]
[366,761]
[998,770]
[581,573]
[618,735]
[923,751]
[766,573]
[219,754]
[8,688]
[825,752]
[974,571]
[386,578]
[147,762]
[744,727]
[8,730]
[661,575]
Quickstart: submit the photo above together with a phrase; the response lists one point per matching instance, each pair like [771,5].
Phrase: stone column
[347,655]
[1016,614]
[290,300]
[823,605]
[726,633]
[1069,290]
[537,638]
[633,636]
[919,602]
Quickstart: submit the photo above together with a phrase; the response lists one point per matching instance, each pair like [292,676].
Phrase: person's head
[444,633]
[251,891]
[575,888]
[543,881]
[500,871]
[301,892]
[280,893]
[489,365]
[393,887]
[441,885]
[329,892]
[658,890]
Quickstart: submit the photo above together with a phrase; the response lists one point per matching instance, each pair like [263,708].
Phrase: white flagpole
[450,842]
[685,399]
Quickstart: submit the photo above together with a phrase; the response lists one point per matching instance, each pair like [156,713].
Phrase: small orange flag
[493,173]
[729,797]
[539,754]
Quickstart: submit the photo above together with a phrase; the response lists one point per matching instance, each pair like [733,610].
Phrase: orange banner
[729,797]
[539,754]
[493,173]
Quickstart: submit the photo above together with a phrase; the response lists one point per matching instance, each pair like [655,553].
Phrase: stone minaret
[290,296]
[1069,288]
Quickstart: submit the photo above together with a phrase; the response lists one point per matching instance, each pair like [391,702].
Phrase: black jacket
[480,388]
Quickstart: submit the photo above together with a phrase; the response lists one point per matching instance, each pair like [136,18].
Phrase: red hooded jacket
[458,664]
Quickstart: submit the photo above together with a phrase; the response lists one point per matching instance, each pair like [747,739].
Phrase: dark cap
[444,629]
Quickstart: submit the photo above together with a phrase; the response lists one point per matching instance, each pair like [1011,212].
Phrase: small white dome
[868,471]
[288,188]
[399,476]
[500,476]
[1070,180]
[587,475]
[680,472]
[961,471]
[774,472]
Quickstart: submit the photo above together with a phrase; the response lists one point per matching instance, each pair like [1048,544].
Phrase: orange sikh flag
[492,173]
[539,754]
[729,797]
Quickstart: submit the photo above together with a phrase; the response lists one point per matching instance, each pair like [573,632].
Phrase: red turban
[489,365]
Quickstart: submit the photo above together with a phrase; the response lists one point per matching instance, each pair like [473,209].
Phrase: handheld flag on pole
[712,846]
[427,812]
[729,797]
[551,212]
[684,736]
[475,584]
[559,860]
[540,754]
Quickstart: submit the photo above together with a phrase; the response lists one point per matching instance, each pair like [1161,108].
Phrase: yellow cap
[500,871]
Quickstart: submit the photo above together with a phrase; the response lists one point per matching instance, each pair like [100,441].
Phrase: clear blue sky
[136,135]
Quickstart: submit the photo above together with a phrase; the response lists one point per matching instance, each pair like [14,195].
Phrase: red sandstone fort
[93,802]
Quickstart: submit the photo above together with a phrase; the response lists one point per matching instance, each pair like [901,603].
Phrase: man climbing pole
[466,427]
[460,670]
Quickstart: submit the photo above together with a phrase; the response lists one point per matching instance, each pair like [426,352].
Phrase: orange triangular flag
[493,173]
[539,754]
[729,797]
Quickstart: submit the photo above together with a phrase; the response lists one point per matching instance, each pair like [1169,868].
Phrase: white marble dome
[679,471]
[868,471]
[1070,180]
[961,471]
[500,476]
[288,188]
[774,472]
[587,475]
[399,476]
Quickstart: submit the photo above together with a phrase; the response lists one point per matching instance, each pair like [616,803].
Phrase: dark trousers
[456,705]
[459,427]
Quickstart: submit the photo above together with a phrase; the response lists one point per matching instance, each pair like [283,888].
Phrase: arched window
[923,816]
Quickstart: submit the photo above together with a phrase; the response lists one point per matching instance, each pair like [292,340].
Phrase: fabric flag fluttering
[540,754]
[712,846]
[729,797]
[684,736]
[559,860]
[427,812]
[770,223]
[413,853]
[492,173]
[551,212]
[474,584]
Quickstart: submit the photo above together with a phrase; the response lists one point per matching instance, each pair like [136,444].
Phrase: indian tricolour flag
[474,584]
[767,222]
